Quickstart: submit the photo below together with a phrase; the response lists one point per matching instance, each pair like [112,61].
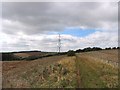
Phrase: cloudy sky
[36,25]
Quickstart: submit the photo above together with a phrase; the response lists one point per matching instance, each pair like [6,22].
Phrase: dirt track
[79,84]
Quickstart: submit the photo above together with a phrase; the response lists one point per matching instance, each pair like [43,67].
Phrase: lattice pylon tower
[59,44]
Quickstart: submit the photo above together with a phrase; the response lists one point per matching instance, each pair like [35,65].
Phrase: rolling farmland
[55,44]
[95,69]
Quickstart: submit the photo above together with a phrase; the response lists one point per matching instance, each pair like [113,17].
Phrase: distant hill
[25,55]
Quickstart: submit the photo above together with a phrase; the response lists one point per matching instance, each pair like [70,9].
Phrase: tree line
[95,49]
[88,49]
[12,57]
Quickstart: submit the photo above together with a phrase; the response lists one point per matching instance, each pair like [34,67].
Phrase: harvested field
[107,56]
[30,54]
[85,70]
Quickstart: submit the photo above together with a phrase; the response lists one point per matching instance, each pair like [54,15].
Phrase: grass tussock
[60,75]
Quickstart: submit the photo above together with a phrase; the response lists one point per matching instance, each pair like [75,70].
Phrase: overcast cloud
[25,25]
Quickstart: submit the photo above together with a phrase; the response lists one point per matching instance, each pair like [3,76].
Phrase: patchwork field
[95,69]
[27,54]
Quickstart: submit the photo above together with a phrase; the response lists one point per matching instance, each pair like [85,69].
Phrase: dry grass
[104,54]
[63,71]
[24,74]
[61,75]
[69,63]
[96,74]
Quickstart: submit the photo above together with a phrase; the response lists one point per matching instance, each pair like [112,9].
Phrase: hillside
[32,53]
[95,69]
[25,55]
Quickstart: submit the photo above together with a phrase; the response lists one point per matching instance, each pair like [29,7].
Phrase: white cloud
[49,42]
[25,25]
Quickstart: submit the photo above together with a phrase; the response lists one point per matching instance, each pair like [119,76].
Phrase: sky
[36,25]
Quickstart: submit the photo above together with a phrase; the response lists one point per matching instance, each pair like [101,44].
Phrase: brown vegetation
[86,70]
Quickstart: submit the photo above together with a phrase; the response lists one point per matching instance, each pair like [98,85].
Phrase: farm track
[79,84]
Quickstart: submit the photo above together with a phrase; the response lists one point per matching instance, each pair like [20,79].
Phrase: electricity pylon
[59,43]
